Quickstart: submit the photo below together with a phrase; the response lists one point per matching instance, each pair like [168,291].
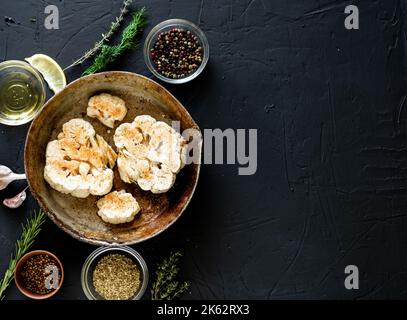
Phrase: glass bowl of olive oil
[22,93]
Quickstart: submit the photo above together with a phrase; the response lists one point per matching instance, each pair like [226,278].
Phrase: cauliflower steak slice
[107,109]
[151,153]
[118,207]
[79,162]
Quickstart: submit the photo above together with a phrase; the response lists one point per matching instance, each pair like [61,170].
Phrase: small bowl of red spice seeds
[39,274]
[176,51]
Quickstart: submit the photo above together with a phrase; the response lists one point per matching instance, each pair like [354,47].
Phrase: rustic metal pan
[78,217]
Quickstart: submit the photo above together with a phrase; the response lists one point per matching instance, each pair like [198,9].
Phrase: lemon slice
[50,70]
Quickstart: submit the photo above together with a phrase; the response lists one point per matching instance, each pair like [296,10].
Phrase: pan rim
[71,231]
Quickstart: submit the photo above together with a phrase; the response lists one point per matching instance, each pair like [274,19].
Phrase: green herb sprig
[30,231]
[166,286]
[109,54]
[105,37]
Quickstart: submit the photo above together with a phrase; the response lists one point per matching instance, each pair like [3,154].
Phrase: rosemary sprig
[105,37]
[166,286]
[30,232]
[108,54]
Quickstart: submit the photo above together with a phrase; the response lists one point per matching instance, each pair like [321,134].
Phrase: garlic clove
[16,201]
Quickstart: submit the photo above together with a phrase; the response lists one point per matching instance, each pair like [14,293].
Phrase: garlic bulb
[7,176]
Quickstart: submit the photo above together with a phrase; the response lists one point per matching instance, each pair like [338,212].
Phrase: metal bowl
[79,217]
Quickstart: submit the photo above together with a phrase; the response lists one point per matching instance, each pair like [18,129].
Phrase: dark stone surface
[329,105]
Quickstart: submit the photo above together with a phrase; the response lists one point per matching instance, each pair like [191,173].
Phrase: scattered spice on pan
[116,277]
[177,53]
[34,273]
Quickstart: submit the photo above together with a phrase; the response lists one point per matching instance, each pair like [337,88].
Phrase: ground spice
[116,277]
[34,273]
[177,53]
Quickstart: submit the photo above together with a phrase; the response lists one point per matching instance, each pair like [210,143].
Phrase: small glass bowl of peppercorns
[176,51]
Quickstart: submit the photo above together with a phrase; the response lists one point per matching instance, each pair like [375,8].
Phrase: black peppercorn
[177,53]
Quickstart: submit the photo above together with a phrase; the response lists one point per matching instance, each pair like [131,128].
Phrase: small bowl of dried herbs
[39,274]
[176,51]
[114,273]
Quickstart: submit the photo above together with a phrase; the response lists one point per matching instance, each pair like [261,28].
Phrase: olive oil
[21,93]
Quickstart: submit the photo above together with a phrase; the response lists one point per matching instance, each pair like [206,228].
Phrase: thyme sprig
[108,54]
[30,231]
[105,37]
[166,286]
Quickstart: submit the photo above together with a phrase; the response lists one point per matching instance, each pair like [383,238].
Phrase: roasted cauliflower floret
[107,109]
[79,162]
[151,153]
[118,207]
[77,129]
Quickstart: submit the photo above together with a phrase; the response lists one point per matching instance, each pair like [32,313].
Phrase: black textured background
[329,105]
